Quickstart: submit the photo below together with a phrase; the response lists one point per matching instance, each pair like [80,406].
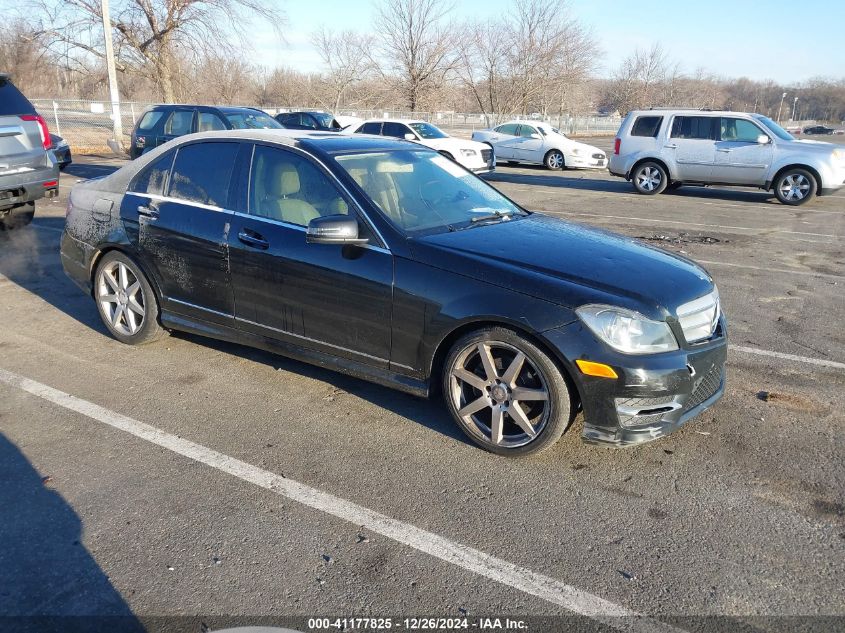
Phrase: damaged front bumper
[653,394]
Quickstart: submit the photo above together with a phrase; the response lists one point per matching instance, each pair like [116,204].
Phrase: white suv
[660,149]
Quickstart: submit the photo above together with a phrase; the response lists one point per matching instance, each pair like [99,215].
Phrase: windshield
[325,120]
[251,120]
[427,130]
[545,130]
[775,129]
[422,191]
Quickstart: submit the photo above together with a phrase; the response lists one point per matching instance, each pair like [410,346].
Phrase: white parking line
[468,558]
[808,273]
[801,359]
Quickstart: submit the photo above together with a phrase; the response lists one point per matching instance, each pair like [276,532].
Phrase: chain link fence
[88,126]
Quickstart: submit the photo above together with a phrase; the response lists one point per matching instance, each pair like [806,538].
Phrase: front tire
[126,301]
[554,160]
[505,393]
[795,186]
[650,178]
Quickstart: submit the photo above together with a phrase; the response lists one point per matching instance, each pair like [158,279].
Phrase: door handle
[149,210]
[724,149]
[671,146]
[254,240]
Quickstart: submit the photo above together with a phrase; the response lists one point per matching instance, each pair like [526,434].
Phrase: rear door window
[210,122]
[179,123]
[153,179]
[396,130]
[373,127]
[694,127]
[202,173]
[510,129]
[647,126]
[12,102]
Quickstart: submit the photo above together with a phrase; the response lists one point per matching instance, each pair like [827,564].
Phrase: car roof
[317,143]
[698,111]
[405,121]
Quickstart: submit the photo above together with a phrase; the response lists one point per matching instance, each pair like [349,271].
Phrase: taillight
[42,127]
[617,145]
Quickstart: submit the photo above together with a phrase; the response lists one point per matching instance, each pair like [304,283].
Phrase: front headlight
[468,152]
[627,331]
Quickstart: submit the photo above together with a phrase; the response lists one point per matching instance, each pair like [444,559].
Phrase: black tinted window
[508,128]
[179,123]
[154,178]
[150,120]
[646,126]
[396,130]
[374,127]
[202,172]
[12,101]
[700,127]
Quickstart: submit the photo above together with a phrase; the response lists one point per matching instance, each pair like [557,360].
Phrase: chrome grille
[699,317]
[486,154]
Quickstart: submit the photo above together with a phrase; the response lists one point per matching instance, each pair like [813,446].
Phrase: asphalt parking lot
[254,492]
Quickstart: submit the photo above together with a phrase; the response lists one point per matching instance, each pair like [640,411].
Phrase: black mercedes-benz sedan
[383,259]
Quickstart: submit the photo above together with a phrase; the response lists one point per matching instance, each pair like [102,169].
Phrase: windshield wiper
[494,215]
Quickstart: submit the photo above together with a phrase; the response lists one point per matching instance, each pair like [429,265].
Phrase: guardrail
[88,125]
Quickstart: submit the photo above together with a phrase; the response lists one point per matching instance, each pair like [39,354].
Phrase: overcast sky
[783,40]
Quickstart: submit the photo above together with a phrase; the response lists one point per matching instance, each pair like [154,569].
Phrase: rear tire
[126,301]
[649,178]
[18,220]
[513,400]
[795,186]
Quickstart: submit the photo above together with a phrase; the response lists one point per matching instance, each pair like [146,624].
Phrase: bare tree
[416,46]
[153,37]
[346,59]
[635,84]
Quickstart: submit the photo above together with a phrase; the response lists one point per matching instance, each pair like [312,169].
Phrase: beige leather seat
[282,182]
[381,188]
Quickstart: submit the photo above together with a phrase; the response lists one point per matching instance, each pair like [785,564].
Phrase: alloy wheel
[649,178]
[555,160]
[121,298]
[794,187]
[500,394]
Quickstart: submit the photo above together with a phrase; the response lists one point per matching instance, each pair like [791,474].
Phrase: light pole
[115,95]
[794,104]
[783,96]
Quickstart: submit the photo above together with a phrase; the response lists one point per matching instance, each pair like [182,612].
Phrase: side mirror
[763,139]
[536,136]
[334,229]
[410,137]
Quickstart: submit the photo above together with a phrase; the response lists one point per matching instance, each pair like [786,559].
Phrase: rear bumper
[18,189]
[653,394]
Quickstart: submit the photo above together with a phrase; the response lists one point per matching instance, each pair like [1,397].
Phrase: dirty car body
[389,304]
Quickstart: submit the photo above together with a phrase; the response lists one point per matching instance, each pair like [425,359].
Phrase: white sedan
[477,157]
[533,142]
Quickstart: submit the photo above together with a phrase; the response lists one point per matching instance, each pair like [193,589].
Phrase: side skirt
[385,377]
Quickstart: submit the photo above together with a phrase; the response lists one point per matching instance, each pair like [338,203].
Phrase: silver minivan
[660,149]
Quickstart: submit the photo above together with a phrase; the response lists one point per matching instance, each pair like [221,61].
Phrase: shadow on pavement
[88,170]
[30,259]
[49,582]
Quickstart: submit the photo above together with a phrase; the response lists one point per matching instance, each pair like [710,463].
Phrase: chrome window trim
[190,203]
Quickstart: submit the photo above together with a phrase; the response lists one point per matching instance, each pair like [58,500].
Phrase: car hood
[568,264]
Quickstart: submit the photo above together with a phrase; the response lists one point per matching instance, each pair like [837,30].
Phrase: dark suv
[162,123]
[309,120]
[28,169]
